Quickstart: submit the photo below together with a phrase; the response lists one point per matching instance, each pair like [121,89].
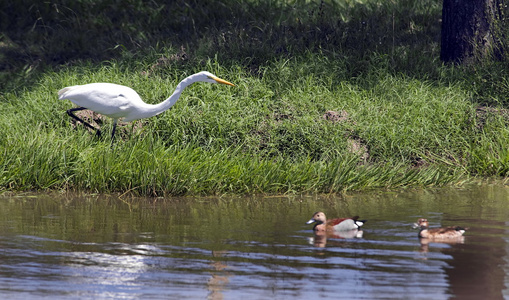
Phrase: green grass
[262,136]
[375,63]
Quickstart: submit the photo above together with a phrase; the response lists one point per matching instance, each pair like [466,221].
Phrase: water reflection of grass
[322,104]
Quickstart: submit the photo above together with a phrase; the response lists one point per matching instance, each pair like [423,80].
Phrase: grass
[321,104]
[263,136]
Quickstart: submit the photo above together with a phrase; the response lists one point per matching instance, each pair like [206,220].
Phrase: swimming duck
[322,225]
[451,232]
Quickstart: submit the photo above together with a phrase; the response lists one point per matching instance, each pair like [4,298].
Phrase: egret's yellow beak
[219,80]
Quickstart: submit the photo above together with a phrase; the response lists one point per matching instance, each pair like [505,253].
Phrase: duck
[443,233]
[338,224]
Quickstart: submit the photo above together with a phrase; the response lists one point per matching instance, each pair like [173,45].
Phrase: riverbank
[301,119]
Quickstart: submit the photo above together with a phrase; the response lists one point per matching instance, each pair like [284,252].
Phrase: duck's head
[421,223]
[318,217]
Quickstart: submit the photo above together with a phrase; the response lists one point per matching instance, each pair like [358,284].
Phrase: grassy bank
[343,105]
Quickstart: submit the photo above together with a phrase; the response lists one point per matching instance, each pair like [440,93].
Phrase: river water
[63,246]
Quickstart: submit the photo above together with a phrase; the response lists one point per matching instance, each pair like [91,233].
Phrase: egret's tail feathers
[61,93]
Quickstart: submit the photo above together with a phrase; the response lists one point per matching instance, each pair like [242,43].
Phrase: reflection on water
[219,276]
[319,239]
[257,247]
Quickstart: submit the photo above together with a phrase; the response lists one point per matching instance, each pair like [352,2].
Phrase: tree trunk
[471,30]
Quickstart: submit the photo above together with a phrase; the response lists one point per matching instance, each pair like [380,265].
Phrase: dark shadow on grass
[35,34]
[401,37]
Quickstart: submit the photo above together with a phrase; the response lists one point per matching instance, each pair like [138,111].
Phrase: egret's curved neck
[152,110]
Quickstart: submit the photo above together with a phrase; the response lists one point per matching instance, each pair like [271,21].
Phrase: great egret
[118,101]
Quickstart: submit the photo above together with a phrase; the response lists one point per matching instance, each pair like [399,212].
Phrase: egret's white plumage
[122,102]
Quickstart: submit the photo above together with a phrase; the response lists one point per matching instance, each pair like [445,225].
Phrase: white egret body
[122,102]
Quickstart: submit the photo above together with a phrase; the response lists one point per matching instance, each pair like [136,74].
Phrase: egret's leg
[71,111]
[113,131]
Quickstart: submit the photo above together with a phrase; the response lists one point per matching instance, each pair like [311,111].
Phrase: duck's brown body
[451,232]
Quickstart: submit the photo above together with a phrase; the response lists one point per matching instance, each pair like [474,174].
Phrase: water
[98,247]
